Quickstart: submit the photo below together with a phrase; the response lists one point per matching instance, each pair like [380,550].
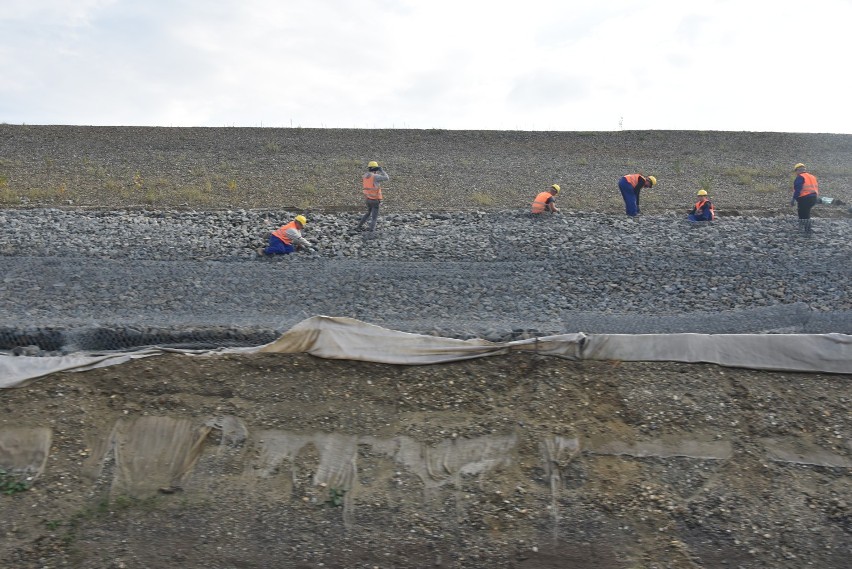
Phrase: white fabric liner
[349,339]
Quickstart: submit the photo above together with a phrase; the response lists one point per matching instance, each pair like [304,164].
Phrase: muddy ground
[523,461]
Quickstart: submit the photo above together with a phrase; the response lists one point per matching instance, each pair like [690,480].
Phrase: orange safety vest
[632,179]
[281,232]
[701,203]
[810,186]
[540,203]
[372,190]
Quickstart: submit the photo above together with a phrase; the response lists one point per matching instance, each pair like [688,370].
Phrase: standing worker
[703,209]
[805,192]
[287,238]
[546,201]
[372,184]
[630,186]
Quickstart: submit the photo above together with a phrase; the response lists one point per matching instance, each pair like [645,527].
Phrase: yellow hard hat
[799,165]
[373,164]
[556,187]
[653,181]
[702,192]
[302,219]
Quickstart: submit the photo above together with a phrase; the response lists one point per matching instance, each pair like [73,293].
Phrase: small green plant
[583,161]
[335,497]
[704,184]
[232,185]
[52,524]
[483,199]
[12,483]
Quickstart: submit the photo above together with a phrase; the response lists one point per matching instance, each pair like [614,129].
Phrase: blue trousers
[278,247]
[698,217]
[630,196]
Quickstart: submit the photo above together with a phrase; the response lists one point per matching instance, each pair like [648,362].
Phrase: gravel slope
[117,278]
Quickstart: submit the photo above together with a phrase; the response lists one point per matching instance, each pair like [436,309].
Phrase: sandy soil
[511,461]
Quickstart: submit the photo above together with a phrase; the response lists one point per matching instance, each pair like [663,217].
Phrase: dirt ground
[522,461]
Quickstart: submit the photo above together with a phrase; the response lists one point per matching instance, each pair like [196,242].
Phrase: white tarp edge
[347,338]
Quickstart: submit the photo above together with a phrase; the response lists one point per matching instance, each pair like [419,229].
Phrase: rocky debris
[116,279]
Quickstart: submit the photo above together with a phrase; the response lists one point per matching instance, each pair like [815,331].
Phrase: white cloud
[543,64]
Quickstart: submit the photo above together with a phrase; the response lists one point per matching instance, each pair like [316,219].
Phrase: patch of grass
[190,194]
[11,483]
[742,175]
[583,161]
[231,185]
[41,195]
[765,188]
[8,196]
[272,147]
[705,184]
[483,199]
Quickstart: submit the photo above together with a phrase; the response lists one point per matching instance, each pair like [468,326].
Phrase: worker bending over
[805,193]
[287,238]
[546,201]
[630,186]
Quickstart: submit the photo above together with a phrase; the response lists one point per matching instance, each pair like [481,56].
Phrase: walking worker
[287,238]
[372,184]
[703,210]
[630,186]
[546,201]
[805,193]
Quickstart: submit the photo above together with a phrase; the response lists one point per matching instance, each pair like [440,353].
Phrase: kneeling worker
[287,238]
[703,209]
[546,201]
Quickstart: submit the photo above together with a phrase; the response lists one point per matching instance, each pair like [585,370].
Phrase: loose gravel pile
[115,279]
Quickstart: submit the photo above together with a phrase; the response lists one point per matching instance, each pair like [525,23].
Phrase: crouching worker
[703,209]
[287,239]
[546,201]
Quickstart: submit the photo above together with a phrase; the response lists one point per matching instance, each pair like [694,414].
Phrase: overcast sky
[746,65]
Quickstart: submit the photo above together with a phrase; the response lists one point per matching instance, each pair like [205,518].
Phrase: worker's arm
[797,188]
[380,175]
[296,239]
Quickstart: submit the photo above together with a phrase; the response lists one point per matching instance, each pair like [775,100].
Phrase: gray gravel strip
[114,279]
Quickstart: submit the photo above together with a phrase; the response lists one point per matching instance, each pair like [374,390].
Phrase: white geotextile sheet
[346,338]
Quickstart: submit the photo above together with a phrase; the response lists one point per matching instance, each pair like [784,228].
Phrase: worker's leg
[366,216]
[374,212]
[638,209]
[629,197]
[277,247]
[805,205]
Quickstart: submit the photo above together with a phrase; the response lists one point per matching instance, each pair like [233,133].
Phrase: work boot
[809,226]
